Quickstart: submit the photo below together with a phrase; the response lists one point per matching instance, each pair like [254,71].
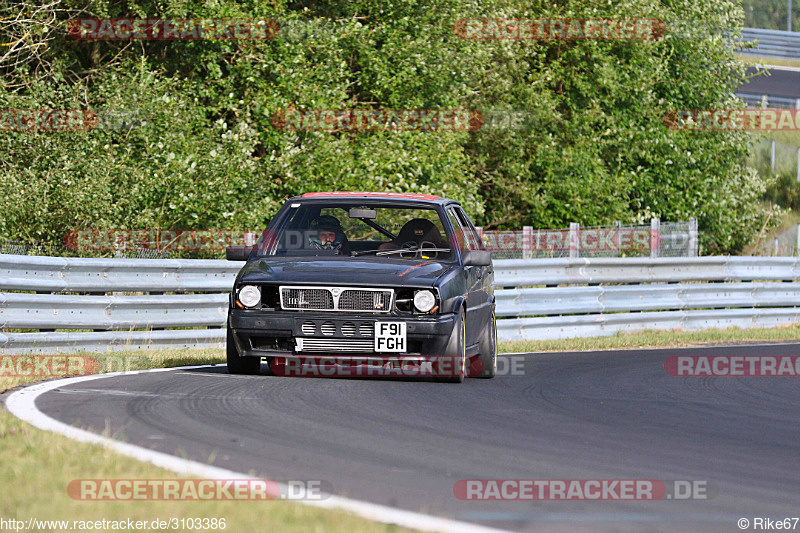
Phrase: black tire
[488,352]
[237,364]
[457,350]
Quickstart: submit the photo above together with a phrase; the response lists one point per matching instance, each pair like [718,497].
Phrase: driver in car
[417,235]
[329,235]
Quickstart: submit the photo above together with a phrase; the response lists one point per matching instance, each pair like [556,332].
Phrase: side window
[472,237]
[457,228]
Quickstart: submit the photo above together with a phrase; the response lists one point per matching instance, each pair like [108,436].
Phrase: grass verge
[759,60]
[657,339]
[36,467]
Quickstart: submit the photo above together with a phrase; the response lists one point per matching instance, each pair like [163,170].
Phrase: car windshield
[358,230]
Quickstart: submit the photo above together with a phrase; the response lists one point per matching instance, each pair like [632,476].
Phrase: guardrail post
[692,252]
[797,240]
[251,237]
[655,236]
[798,165]
[574,240]
[772,155]
[527,242]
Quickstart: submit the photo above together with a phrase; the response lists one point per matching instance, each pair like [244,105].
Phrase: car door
[485,284]
[472,276]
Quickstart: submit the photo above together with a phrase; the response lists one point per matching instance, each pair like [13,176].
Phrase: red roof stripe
[409,195]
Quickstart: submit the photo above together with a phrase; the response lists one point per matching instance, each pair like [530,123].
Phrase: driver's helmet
[326,223]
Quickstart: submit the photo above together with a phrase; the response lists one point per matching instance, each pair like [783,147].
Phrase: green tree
[203,151]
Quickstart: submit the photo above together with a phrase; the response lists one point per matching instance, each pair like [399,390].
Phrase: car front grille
[335,345]
[360,300]
[336,299]
[366,329]
[297,299]
[316,328]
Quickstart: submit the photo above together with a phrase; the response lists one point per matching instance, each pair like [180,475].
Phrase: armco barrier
[772,43]
[52,274]
[536,299]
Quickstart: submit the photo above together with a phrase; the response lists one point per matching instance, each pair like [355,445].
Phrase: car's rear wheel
[454,365]
[486,366]
[238,364]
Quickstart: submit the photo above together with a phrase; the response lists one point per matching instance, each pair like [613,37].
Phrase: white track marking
[22,404]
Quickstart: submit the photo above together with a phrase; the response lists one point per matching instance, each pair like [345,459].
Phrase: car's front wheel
[453,367]
[238,364]
[486,365]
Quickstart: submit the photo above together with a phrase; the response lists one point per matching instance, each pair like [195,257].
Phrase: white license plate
[390,336]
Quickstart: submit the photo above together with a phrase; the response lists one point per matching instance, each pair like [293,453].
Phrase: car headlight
[424,301]
[250,296]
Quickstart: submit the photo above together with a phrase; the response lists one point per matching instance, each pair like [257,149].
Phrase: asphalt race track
[780,82]
[586,415]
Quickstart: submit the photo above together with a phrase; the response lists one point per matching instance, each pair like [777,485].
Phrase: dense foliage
[202,152]
[771,14]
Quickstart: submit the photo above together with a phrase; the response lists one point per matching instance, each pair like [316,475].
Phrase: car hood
[343,271]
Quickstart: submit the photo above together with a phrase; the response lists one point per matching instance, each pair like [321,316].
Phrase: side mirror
[238,253]
[481,258]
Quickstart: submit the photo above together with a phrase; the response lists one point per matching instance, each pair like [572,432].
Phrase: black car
[354,280]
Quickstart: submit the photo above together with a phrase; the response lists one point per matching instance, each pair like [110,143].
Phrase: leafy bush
[205,155]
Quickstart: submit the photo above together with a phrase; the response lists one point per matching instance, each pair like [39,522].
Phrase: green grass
[36,466]
[788,137]
[778,62]
[656,339]
[760,244]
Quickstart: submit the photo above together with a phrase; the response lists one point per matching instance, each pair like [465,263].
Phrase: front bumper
[275,333]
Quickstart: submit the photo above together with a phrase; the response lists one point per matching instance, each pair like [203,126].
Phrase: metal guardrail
[53,274]
[110,341]
[521,273]
[656,239]
[625,298]
[767,101]
[602,296]
[608,296]
[59,311]
[772,43]
[562,327]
